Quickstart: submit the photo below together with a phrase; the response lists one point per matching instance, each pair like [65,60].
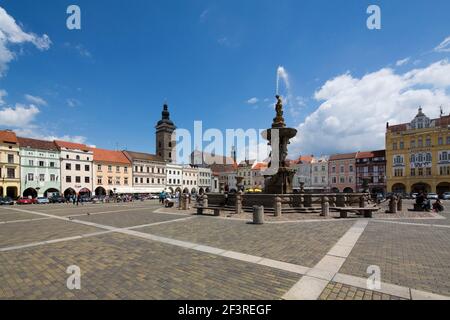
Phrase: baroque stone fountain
[279,177]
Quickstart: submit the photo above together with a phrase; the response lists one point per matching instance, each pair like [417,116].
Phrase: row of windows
[342,180]
[110,181]
[420,172]
[40,154]
[421,157]
[444,171]
[420,144]
[41,177]
[371,180]
[342,169]
[77,157]
[141,180]
[153,169]
[41,163]
[78,167]
[78,179]
[99,168]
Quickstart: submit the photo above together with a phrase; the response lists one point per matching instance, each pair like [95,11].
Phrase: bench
[343,212]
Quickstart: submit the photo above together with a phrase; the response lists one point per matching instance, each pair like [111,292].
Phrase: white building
[319,173]
[76,168]
[303,172]
[174,178]
[257,172]
[204,181]
[190,178]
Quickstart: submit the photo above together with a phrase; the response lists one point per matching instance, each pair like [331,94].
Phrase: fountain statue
[280,176]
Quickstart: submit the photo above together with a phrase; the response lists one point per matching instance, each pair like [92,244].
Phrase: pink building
[342,172]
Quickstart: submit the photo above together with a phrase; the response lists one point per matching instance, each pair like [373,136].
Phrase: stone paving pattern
[411,256]
[128,219]
[298,243]
[42,230]
[117,266]
[339,291]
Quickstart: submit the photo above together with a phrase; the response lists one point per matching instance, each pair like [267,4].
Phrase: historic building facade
[342,173]
[9,164]
[112,172]
[319,174]
[371,171]
[174,178]
[76,168]
[417,155]
[149,172]
[204,181]
[40,168]
[302,177]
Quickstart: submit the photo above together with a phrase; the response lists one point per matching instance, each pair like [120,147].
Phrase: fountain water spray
[282,74]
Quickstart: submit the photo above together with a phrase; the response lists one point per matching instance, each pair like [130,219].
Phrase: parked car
[414,195]
[6,201]
[25,201]
[57,199]
[432,196]
[446,196]
[42,200]
[154,196]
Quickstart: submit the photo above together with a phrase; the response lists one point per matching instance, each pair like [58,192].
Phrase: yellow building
[112,172]
[418,155]
[9,165]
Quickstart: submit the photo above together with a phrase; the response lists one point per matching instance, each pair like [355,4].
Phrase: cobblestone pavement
[116,266]
[128,219]
[412,256]
[127,266]
[298,243]
[23,233]
[339,291]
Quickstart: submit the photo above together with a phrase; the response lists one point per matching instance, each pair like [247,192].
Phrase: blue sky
[107,82]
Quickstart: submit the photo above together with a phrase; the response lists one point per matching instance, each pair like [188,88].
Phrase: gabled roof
[132,155]
[110,156]
[343,156]
[37,144]
[72,145]
[260,166]
[302,159]
[8,136]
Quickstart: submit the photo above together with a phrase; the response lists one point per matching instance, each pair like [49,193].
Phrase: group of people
[425,203]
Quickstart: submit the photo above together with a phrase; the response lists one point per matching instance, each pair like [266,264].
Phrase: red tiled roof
[37,144]
[72,145]
[110,156]
[8,136]
[302,159]
[343,156]
[142,156]
[260,166]
[366,154]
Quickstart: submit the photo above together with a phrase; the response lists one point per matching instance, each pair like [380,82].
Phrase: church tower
[165,142]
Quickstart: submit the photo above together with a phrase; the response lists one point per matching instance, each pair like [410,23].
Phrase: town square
[330,186]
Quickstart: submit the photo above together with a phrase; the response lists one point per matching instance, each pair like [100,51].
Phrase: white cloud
[82,51]
[35,100]
[253,100]
[11,33]
[402,62]
[71,102]
[444,46]
[354,111]
[19,116]
[3,94]
[204,15]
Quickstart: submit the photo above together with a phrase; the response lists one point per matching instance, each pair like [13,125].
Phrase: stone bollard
[258,214]
[393,205]
[362,204]
[185,205]
[180,201]
[238,207]
[277,206]
[325,207]
[205,201]
[300,201]
[399,204]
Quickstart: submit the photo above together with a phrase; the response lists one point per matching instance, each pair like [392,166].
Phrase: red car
[25,201]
